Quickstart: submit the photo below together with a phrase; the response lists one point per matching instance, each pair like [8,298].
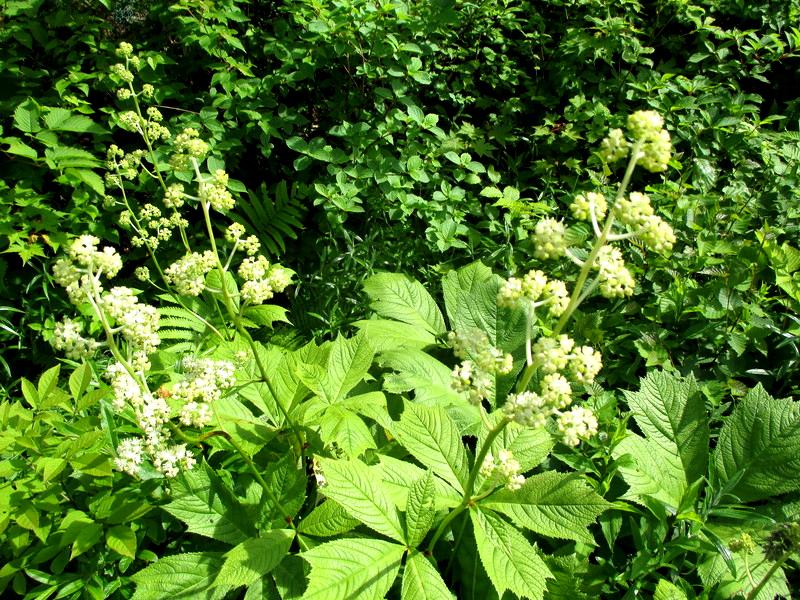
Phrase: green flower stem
[469,488]
[578,294]
[249,461]
[768,575]
[237,322]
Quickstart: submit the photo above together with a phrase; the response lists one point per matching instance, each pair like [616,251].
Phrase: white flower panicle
[469,379]
[188,146]
[130,456]
[481,361]
[577,424]
[536,290]
[262,280]
[615,279]
[647,126]
[634,211]
[205,382]
[214,192]
[172,459]
[549,239]
[67,337]
[528,409]
[504,469]
[584,364]
[614,147]
[138,322]
[188,274]
[552,355]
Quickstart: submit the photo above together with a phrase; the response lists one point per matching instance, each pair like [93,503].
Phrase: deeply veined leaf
[352,484]
[328,519]
[420,509]
[122,539]
[422,581]
[347,429]
[181,577]
[511,562]
[529,446]
[670,412]
[419,371]
[396,296]
[388,335]
[666,590]
[397,475]
[205,504]
[434,440]
[352,568]
[716,574]
[758,450]
[348,363]
[254,558]
[650,471]
[555,504]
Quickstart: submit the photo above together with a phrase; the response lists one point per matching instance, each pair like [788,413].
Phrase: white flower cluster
[188,146]
[557,358]
[647,126]
[80,273]
[637,213]
[584,205]
[614,147]
[188,274]
[577,424]
[505,470]
[235,235]
[534,288]
[549,239]
[67,337]
[127,165]
[137,322]
[262,280]
[615,279]
[205,381]
[214,192]
[174,196]
[153,228]
[480,361]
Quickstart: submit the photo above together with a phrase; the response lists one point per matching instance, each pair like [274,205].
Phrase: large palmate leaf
[650,471]
[348,363]
[671,413]
[351,483]
[352,568]
[434,440]
[556,504]
[422,581]
[208,507]
[416,370]
[182,577]
[252,559]
[396,296]
[511,562]
[758,451]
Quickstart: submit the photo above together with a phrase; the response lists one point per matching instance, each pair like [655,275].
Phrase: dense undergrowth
[357,299]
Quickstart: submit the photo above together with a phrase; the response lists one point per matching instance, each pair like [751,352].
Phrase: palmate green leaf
[419,371]
[352,484]
[397,475]
[352,568]
[348,363]
[434,440]
[420,509]
[328,519]
[347,429]
[180,577]
[559,505]
[254,558]
[511,562]
[758,450]
[650,471]
[422,581]
[670,412]
[208,507]
[396,296]
[388,335]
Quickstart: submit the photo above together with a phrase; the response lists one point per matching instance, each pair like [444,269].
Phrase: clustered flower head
[614,147]
[67,338]
[577,424]
[188,146]
[585,205]
[504,469]
[615,279]
[647,127]
[262,279]
[535,290]
[481,361]
[549,239]
[235,235]
[214,192]
[205,382]
[188,274]
[81,272]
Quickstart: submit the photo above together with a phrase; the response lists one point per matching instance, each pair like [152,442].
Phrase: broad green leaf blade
[434,440]
[347,429]
[650,471]
[79,381]
[715,574]
[122,540]
[419,371]
[397,475]
[666,590]
[670,412]
[396,296]
[529,446]
[422,581]
[352,484]
[252,559]
[420,509]
[758,450]
[208,507]
[555,504]
[328,519]
[388,335]
[348,363]
[511,562]
[352,568]
[181,577]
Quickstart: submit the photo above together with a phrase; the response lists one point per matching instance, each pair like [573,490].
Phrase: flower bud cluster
[205,382]
[235,234]
[504,469]
[174,196]
[215,193]
[584,205]
[549,239]
[614,277]
[188,146]
[647,127]
[188,274]
[262,280]
[534,288]
[81,271]
[576,424]
[67,338]
[614,147]
[138,323]
[480,362]
[152,228]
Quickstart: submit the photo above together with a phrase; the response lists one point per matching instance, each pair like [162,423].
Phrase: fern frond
[273,218]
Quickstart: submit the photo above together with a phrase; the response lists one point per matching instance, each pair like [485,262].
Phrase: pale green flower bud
[125,50]
[549,238]
[614,147]
[583,205]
